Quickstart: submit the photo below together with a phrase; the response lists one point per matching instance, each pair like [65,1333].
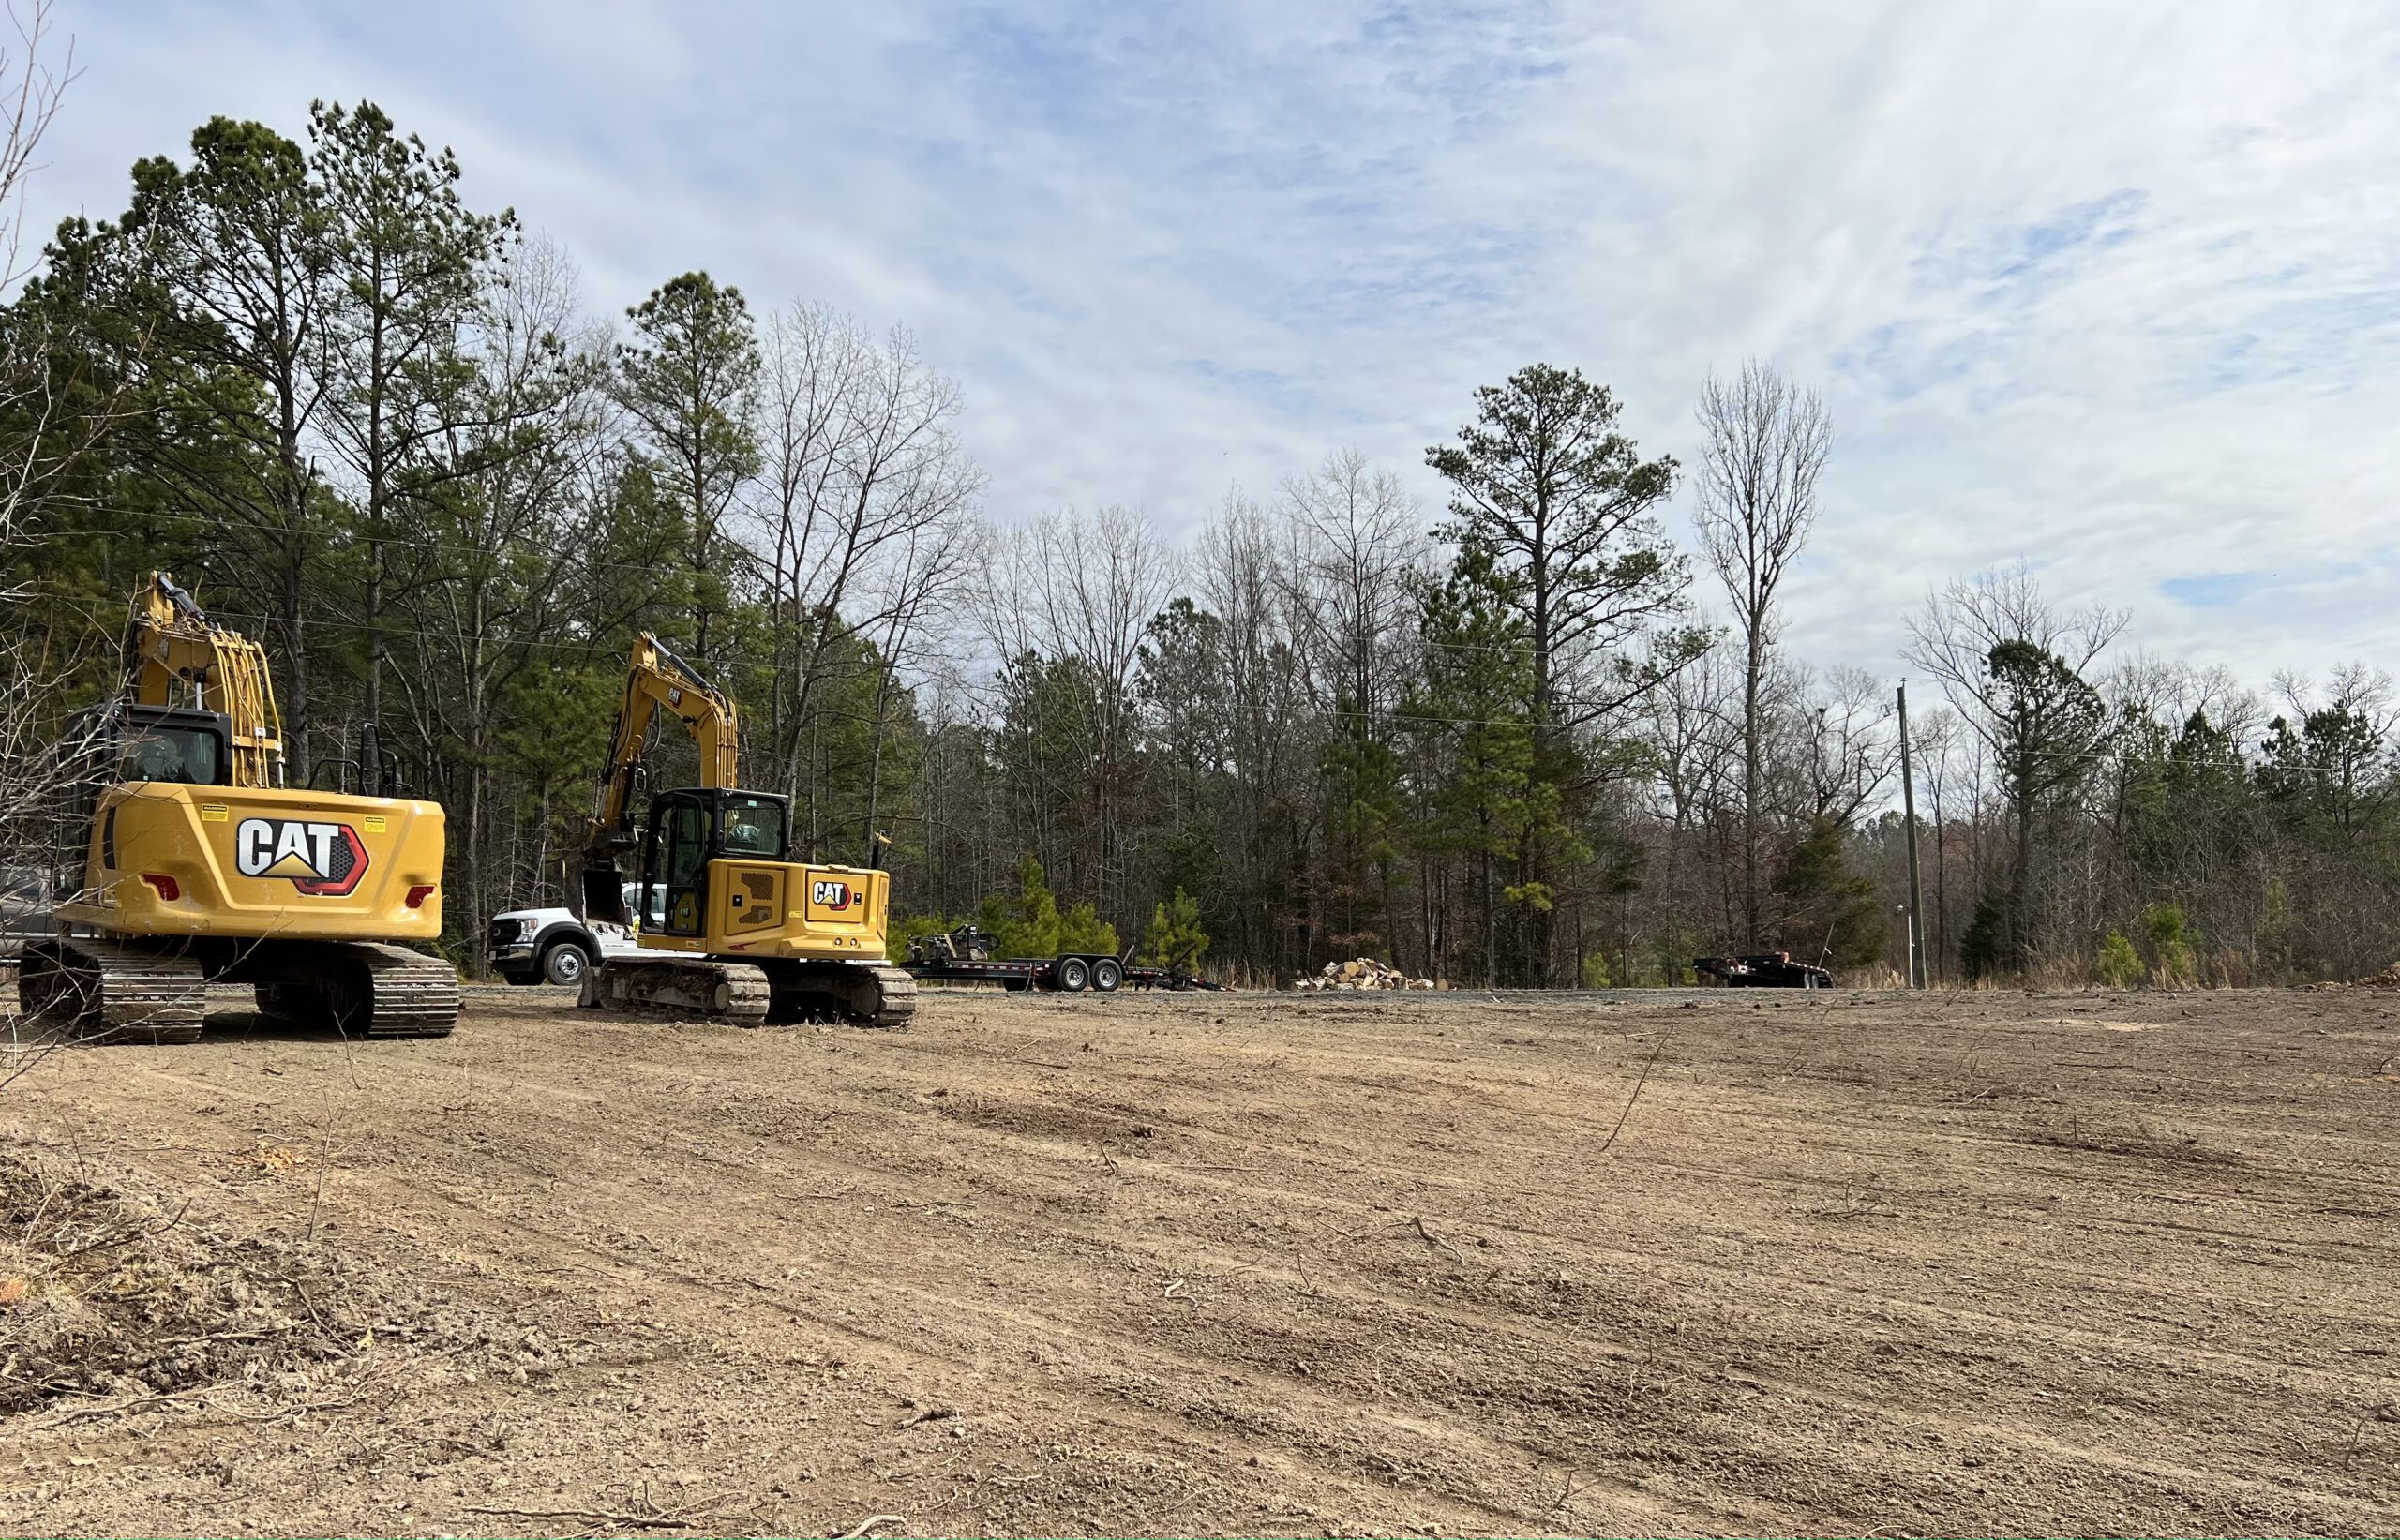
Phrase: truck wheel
[1073,974]
[1106,974]
[563,963]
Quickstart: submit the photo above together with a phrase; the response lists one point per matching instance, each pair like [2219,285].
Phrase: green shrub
[1030,925]
[1081,929]
[1596,972]
[2170,940]
[908,932]
[2119,965]
[1979,948]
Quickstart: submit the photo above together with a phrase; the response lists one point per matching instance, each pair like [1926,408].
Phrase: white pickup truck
[551,946]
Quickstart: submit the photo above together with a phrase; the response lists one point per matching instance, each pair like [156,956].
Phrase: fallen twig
[137,1233]
[636,1520]
[1432,1240]
[134,1403]
[1647,1065]
[1566,1494]
[932,1413]
[870,1524]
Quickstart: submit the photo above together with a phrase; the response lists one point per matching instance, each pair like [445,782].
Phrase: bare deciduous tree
[1357,534]
[1955,638]
[35,451]
[1763,445]
[861,521]
[1077,587]
[1356,537]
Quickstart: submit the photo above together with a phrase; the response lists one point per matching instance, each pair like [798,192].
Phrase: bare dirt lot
[1235,1264]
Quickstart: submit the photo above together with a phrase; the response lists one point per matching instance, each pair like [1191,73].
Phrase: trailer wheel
[1073,974]
[1106,974]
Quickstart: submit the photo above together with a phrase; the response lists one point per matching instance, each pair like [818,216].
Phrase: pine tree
[1175,939]
[687,377]
[2052,726]
[1562,506]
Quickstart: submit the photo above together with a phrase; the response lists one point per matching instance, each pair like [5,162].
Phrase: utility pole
[1917,890]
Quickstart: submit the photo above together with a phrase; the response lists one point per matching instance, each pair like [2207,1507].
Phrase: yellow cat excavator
[184,862]
[731,928]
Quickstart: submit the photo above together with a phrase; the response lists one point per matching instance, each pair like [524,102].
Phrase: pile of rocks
[1365,973]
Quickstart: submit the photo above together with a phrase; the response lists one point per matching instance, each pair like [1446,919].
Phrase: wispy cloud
[2114,286]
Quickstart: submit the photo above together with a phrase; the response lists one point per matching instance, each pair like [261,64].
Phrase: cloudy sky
[2114,287]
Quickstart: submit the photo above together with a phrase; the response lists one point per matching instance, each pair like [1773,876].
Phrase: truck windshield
[753,826]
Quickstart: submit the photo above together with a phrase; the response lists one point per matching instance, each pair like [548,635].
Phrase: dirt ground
[1256,1265]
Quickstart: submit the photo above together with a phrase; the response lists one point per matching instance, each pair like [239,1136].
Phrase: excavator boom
[170,641]
[658,681]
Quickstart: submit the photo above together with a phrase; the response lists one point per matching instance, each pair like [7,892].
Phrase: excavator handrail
[169,639]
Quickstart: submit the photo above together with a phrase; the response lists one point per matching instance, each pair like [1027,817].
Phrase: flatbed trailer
[1764,970]
[1068,973]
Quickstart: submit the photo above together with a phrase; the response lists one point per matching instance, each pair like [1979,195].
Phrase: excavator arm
[658,681]
[169,641]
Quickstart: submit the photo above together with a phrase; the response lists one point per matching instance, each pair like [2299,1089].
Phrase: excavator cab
[179,746]
[692,828]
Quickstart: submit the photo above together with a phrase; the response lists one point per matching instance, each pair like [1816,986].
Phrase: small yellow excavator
[183,861]
[730,928]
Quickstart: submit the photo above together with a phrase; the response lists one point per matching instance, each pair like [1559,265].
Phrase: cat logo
[831,895]
[324,860]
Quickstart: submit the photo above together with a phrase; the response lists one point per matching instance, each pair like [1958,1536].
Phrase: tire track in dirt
[1713,1354]
[1487,1322]
[1297,1406]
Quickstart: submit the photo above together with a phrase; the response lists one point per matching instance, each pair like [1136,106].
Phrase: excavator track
[736,993]
[362,989]
[414,995]
[102,991]
[778,991]
[870,994]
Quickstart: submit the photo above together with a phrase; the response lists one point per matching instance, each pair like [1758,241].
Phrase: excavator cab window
[753,825]
[678,822]
[187,747]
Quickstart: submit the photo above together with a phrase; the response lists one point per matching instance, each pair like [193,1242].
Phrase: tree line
[1551,732]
